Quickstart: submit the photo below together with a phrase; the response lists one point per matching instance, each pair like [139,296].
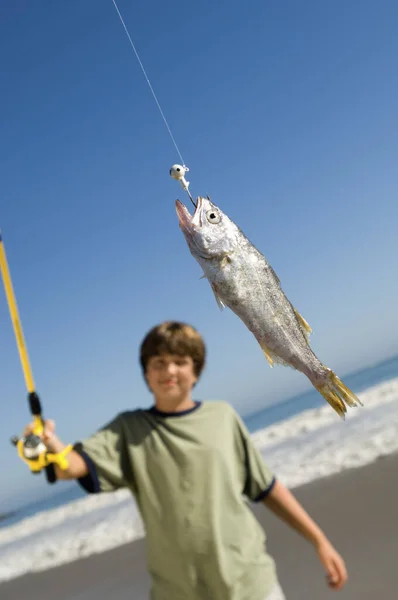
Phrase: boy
[190,466]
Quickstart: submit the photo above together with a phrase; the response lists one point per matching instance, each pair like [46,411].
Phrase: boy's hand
[48,437]
[77,467]
[334,565]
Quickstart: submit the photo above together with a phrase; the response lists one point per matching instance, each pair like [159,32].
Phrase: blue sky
[286,114]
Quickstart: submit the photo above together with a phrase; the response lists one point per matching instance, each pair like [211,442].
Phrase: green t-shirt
[192,474]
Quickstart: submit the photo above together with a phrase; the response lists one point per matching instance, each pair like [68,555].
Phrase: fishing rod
[30,448]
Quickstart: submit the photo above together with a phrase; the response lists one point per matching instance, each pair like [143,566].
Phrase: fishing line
[148,82]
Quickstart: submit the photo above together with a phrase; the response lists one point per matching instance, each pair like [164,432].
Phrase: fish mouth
[189,222]
[191,225]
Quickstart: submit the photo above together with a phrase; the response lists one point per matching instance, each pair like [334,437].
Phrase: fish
[244,281]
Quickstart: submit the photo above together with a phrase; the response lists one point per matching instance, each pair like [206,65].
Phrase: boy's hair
[173,337]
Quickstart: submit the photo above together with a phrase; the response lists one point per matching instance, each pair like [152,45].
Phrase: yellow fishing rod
[30,448]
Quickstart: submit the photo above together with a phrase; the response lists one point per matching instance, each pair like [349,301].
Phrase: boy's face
[170,377]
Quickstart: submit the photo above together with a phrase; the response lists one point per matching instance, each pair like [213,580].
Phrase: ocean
[357,382]
[301,439]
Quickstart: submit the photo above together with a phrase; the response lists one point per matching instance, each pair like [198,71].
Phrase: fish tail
[337,394]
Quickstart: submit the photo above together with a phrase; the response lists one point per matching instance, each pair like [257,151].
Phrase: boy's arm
[97,463]
[285,506]
[77,467]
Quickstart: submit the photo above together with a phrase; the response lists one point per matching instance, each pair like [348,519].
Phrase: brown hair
[173,337]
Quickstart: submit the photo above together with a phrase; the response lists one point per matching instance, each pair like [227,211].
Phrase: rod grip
[34,404]
[35,409]
[50,474]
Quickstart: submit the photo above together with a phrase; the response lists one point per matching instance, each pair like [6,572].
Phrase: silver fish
[243,280]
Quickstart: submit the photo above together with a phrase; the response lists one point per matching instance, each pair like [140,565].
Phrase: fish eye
[213,216]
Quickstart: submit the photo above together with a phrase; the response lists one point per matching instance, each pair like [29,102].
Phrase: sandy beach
[358,509]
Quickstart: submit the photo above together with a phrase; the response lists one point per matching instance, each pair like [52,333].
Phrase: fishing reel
[34,453]
[31,449]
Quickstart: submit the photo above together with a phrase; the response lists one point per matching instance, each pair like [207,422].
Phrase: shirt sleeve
[258,477]
[90,481]
[106,457]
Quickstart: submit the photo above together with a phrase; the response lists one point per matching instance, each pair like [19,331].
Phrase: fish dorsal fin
[306,329]
[271,270]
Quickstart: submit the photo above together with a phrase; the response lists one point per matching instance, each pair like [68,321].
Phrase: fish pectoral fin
[303,323]
[226,260]
[220,303]
[268,356]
